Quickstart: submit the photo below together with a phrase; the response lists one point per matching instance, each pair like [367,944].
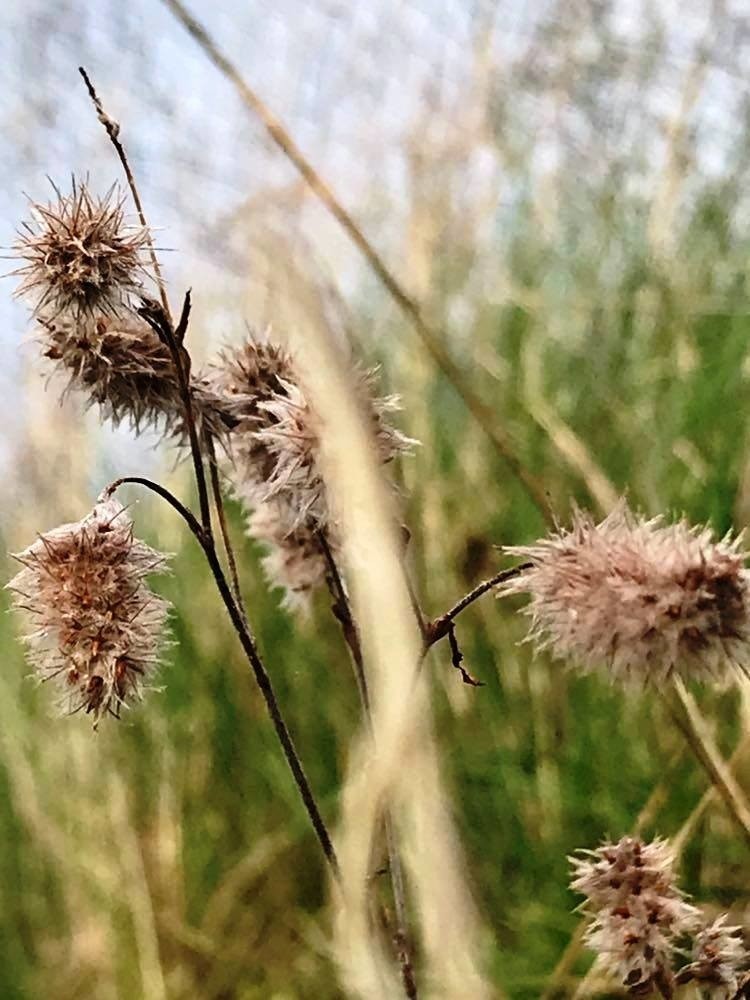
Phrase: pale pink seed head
[637,910]
[644,599]
[94,628]
[294,559]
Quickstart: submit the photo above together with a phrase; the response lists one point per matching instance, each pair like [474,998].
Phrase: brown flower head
[80,255]
[719,956]
[95,628]
[119,363]
[294,561]
[291,435]
[275,445]
[637,910]
[246,378]
[643,598]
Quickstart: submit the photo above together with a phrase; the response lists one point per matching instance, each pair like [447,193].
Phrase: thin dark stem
[343,613]
[174,338]
[218,498]
[260,673]
[441,626]
[113,131]
[187,515]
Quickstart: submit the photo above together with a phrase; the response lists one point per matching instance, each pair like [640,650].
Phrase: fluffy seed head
[637,910]
[719,956]
[95,628]
[291,435]
[246,378]
[80,256]
[119,363]
[611,873]
[294,561]
[645,599]
[276,443]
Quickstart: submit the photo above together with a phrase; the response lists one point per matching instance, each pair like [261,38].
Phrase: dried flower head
[719,956]
[95,627]
[295,561]
[119,363]
[637,910]
[643,598]
[612,872]
[291,435]
[246,378]
[275,445]
[80,255]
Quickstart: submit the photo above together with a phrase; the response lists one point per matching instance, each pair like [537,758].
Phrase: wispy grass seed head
[294,561]
[81,257]
[94,627]
[644,599]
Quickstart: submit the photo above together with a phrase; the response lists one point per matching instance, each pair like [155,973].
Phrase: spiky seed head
[719,958]
[614,871]
[245,378]
[119,363]
[637,910]
[644,599]
[80,255]
[94,627]
[291,435]
[294,560]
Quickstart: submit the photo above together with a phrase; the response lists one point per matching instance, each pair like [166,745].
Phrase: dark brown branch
[218,498]
[160,321]
[113,131]
[443,625]
[432,338]
[260,673]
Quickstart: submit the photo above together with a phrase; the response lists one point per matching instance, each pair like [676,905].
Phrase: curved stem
[218,498]
[441,626]
[262,678]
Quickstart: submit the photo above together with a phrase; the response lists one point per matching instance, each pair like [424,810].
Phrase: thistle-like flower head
[719,956]
[95,628]
[640,597]
[119,363]
[80,255]
[637,910]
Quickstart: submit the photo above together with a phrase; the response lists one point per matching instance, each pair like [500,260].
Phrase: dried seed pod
[80,256]
[95,628]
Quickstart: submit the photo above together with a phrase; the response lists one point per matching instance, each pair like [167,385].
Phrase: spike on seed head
[719,956]
[80,255]
[645,599]
[94,627]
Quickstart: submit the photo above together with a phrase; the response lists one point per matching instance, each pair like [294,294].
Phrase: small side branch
[443,625]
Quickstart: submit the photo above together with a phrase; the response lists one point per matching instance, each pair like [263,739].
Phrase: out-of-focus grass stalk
[399,766]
